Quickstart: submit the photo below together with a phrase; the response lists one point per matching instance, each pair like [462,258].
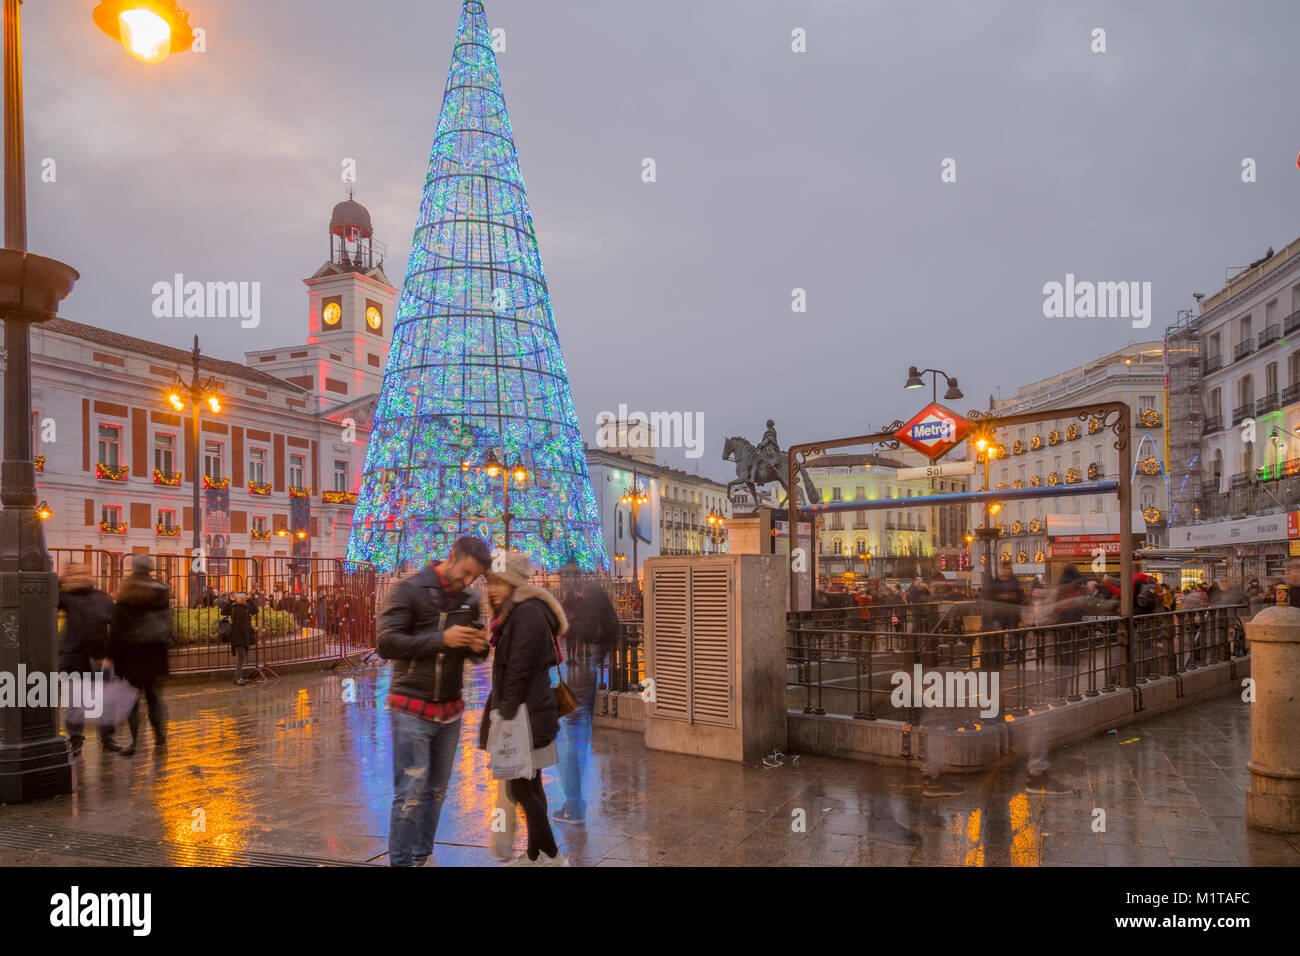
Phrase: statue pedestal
[750,534]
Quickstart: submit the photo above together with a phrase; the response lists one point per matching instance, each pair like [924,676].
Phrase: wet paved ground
[289,768]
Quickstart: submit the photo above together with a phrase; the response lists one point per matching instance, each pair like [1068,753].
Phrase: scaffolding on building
[1184,417]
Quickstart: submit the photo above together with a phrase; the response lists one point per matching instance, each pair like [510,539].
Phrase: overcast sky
[776,170]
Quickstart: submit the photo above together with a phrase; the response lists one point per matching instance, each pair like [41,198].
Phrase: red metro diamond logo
[934,431]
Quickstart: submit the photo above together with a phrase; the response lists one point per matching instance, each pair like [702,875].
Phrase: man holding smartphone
[428,627]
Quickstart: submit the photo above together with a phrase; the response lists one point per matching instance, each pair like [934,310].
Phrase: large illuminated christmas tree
[475,365]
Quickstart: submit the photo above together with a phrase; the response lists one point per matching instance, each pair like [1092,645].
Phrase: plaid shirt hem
[440,712]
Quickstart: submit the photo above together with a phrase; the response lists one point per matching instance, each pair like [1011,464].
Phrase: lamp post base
[34,770]
[33,757]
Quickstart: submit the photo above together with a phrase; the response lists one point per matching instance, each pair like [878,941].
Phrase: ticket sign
[934,431]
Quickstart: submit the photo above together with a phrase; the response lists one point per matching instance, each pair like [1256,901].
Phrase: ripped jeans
[423,755]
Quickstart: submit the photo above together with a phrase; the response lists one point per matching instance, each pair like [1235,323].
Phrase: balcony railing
[1242,412]
[1291,322]
[1213,424]
[1270,335]
[1291,394]
[1266,404]
[1241,351]
[1243,479]
[1213,363]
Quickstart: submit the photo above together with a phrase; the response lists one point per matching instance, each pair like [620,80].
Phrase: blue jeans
[423,755]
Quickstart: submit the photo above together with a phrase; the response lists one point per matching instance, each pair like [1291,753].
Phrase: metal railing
[1243,349]
[1291,322]
[1213,424]
[1242,412]
[309,609]
[1266,404]
[623,669]
[1269,335]
[851,670]
[1291,394]
[1213,363]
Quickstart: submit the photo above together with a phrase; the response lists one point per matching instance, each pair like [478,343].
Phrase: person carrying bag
[526,622]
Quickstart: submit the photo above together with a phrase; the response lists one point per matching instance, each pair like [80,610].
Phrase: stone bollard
[1273,800]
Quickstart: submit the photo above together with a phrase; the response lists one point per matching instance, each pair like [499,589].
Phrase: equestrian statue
[764,464]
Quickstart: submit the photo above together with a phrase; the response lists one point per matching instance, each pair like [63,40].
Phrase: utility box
[715,640]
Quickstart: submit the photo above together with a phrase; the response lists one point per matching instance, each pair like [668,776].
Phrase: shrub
[198,625]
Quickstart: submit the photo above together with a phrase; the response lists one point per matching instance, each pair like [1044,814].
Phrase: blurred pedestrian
[83,645]
[526,624]
[238,610]
[139,635]
[428,627]
[1254,596]
[594,633]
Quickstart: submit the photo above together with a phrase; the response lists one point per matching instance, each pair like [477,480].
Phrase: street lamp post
[989,533]
[716,519]
[199,392]
[914,380]
[33,757]
[634,495]
[494,466]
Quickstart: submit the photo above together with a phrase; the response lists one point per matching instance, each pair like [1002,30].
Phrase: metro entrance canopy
[935,431]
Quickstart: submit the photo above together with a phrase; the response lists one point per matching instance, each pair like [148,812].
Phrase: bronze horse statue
[752,469]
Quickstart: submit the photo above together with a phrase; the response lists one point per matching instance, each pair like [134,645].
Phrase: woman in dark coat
[526,623]
[239,608]
[139,634]
[83,643]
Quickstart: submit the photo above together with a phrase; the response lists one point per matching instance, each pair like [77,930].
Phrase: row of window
[165,455]
[1244,340]
[1245,393]
[110,518]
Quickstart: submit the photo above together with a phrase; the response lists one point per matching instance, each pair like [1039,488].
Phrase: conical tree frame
[475,364]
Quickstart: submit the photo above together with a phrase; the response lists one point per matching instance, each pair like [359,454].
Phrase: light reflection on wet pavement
[289,767]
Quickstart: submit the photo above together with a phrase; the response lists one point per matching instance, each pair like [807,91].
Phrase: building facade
[913,539]
[1237,389]
[672,520]
[1040,536]
[282,436]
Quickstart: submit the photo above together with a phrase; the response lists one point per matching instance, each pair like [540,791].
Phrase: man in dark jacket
[428,627]
[83,644]
[139,634]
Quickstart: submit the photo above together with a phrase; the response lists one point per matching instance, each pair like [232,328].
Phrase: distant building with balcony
[673,521]
[1066,451]
[913,538]
[1235,372]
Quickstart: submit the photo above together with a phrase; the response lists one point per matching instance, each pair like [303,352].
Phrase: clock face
[374,318]
[332,314]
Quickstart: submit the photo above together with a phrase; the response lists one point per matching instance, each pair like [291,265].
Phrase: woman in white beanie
[526,622]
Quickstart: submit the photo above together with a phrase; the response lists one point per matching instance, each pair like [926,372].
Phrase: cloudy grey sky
[776,171]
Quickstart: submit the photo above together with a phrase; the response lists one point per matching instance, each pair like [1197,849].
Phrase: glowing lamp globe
[149,29]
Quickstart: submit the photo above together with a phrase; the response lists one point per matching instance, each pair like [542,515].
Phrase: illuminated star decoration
[475,362]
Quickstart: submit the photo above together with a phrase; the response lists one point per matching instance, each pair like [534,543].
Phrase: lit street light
[149,29]
[494,466]
[634,495]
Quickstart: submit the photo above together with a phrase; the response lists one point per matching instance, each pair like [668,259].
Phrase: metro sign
[934,431]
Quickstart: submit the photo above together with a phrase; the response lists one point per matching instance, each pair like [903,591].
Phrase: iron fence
[854,669]
[308,609]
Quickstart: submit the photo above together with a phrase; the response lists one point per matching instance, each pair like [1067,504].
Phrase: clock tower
[350,305]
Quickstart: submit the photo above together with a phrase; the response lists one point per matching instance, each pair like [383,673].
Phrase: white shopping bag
[510,745]
[118,700]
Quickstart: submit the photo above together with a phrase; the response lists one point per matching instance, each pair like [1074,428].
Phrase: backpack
[1145,599]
